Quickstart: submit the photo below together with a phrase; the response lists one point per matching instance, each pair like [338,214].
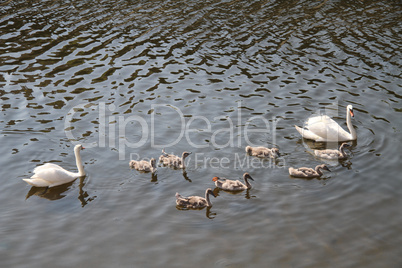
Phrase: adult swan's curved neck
[78,161]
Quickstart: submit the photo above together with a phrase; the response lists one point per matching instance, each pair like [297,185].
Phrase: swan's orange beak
[351,113]
[82,147]
[215,178]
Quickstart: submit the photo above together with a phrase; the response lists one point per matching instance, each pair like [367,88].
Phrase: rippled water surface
[128,78]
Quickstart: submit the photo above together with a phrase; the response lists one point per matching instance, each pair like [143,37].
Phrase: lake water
[128,78]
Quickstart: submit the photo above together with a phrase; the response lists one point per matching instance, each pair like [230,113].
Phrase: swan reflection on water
[246,192]
[154,176]
[185,176]
[208,213]
[56,193]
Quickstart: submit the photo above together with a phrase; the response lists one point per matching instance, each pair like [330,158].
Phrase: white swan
[50,175]
[324,128]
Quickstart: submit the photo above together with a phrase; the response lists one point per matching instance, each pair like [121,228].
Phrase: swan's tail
[29,181]
[37,182]
[299,129]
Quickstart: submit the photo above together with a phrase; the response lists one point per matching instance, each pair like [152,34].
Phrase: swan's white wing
[37,182]
[46,166]
[307,134]
[55,176]
[326,128]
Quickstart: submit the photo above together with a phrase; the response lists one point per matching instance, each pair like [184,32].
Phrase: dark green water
[128,78]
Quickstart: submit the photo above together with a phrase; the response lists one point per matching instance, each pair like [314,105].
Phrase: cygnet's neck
[342,150]
[183,157]
[318,170]
[207,198]
[153,165]
[247,183]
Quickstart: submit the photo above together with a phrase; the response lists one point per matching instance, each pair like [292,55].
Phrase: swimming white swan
[50,175]
[231,185]
[173,160]
[324,128]
[305,172]
[263,152]
[333,154]
[144,165]
[195,201]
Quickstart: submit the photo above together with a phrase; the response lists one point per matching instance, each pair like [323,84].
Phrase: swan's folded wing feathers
[327,128]
[47,166]
[319,125]
[306,171]
[53,175]
[36,182]
[319,118]
[307,134]
[237,183]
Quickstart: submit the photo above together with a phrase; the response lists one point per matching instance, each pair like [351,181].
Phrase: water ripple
[227,62]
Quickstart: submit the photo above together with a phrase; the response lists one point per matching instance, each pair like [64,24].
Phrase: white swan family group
[325,129]
[317,128]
